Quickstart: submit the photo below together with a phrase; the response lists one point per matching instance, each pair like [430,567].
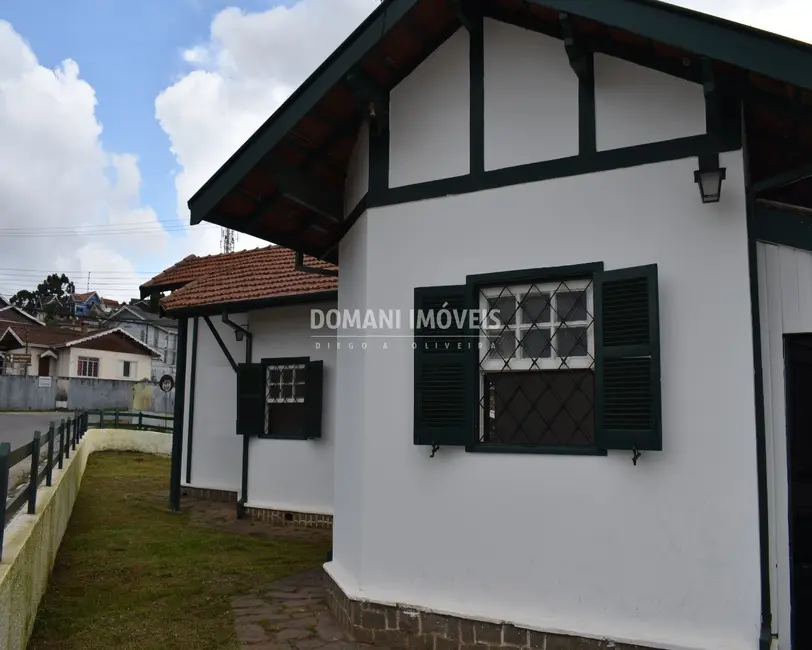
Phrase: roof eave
[242,306]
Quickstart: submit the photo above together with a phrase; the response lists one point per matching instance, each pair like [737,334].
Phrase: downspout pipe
[299,265]
[249,344]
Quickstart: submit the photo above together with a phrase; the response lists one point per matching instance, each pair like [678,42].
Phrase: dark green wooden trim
[530,276]
[601,161]
[587,122]
[476,66]
[765,632]
[486,448]
[272,361]
[783,179]
[242,306]
[303,100]
[331,254]
[762,52]
[220,342]
[782,227]
[246,440]
[192,382]
[177,423]
[379,152]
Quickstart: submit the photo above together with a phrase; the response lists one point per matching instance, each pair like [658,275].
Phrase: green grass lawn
[131,575]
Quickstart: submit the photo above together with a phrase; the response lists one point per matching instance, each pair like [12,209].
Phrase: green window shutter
[250,399]
[627,356]
[443,370]
[314,390]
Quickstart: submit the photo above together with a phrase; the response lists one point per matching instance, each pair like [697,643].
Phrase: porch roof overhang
[285,184]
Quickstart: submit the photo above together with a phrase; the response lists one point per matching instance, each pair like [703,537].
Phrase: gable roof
[55,338]
[84,297]
[243,277]
[16,315]
[136,314]
[286,182]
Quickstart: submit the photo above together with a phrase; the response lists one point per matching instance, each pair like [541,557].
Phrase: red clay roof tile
[237,277]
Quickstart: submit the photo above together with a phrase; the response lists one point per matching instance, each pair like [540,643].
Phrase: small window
[155,337]
[87,367]
[128,369]
[284,400]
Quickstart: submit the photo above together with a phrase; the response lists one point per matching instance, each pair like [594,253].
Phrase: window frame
[132,366]
[283,361]
[476,285]
[86,360]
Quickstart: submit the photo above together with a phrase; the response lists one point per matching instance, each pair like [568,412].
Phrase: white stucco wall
[635,105]
[216,447]
[357,181]
[428,117]
[531,97]
[785,307]
[664,553]
[282,474]
[294,475]
[110,363]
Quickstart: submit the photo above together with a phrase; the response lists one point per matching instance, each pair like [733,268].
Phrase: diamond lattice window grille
[536,364]
[284,392]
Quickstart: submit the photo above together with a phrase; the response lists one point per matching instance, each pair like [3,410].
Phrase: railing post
[5,450]
[140,420]
[101,419]
[73,431]
[61,443]
[66,428]
[49,473]
[32,480]
[115,420]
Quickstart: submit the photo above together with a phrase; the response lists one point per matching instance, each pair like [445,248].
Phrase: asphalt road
[18,429]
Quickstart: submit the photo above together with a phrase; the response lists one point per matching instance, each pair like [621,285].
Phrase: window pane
[287,391]
[536,307]
[502,345]
[505,306]
[572,342]
[536,344]
[571,305]
[273,391]
[275,376]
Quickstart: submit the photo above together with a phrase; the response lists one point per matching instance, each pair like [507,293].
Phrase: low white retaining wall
[31,541]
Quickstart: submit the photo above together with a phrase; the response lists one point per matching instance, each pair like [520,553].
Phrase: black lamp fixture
[709,177]
[239,334]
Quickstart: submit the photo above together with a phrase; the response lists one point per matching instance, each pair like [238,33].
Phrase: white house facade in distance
[620,458]
[246,320]
[158,332]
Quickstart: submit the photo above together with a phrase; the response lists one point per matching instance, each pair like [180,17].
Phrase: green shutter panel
[444,380]
[314,390]
[250,399]
[627,351]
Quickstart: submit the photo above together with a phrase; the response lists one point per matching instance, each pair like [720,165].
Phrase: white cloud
[248,67]
[55,176]
[253,61]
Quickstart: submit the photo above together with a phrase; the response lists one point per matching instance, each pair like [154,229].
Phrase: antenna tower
[227,240]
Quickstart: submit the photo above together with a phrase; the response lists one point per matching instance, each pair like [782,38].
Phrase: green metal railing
[131,420]
[58,443]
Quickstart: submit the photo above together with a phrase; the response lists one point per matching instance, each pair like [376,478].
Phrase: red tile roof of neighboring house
[243,276]
[82,297]
[52,337]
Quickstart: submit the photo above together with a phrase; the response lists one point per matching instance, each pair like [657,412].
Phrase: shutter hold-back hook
[635,455]
[434,449]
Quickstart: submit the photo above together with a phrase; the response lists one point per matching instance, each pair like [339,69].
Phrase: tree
[54,286]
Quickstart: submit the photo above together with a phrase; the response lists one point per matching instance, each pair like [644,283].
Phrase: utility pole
[88,282]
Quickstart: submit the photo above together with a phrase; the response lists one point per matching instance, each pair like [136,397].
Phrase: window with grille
[87,367]
[537,364]
[557,360]
[280,398]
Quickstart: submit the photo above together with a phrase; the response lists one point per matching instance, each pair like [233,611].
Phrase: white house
[55,352]
[617,460]
[245,313]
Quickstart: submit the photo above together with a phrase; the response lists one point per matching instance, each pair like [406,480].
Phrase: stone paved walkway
[290,614]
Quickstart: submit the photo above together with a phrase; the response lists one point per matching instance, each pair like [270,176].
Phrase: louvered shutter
[628,399]
[250,399]
[443,370]
[314,390]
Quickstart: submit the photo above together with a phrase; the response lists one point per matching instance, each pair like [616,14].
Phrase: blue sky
[129,51]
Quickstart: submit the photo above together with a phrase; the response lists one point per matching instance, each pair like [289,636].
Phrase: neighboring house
[83,303]
[15,315]
[644,478]
[267,306]
[158,332]
[110,354]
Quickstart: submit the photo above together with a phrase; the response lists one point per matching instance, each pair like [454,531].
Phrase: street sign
[167,383]
[19,358]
